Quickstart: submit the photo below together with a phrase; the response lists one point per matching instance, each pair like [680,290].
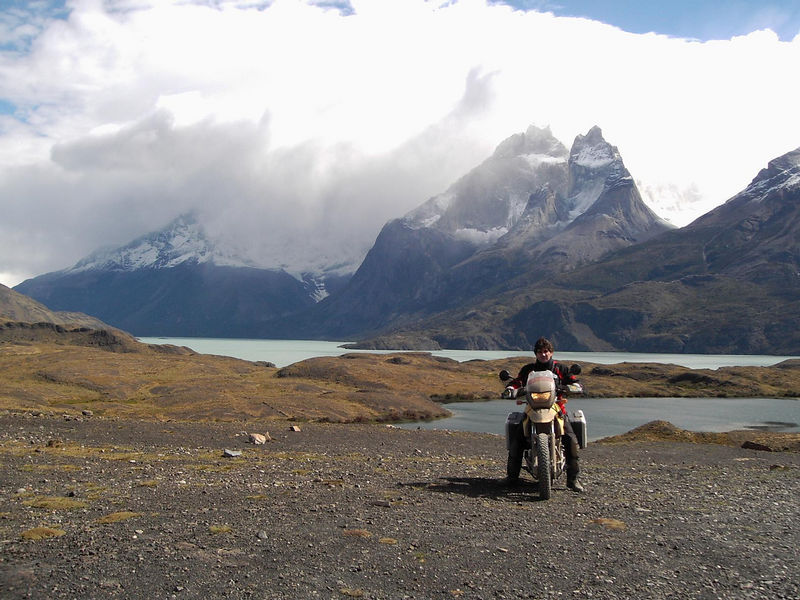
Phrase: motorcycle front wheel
[543,465]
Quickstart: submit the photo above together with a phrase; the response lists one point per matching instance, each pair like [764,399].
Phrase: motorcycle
[533,437]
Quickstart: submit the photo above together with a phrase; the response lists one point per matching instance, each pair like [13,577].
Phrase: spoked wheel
[543,465]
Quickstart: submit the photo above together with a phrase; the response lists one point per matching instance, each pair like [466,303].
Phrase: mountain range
[537,240]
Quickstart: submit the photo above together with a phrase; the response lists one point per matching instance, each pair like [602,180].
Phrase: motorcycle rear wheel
[543,465]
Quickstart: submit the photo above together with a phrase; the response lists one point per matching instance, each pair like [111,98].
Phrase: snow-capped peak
[184,240]
[483,205]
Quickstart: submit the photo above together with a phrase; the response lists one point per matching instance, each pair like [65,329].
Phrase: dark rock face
[616,279]
[529,211]
[187,300]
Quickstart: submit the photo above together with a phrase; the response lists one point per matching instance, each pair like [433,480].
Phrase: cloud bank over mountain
[298,129]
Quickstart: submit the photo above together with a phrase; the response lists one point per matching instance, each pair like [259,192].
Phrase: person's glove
[509,393]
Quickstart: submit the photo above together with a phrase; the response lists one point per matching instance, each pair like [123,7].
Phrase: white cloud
[302,127]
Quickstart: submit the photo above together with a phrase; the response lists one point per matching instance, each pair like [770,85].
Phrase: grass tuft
[118,516]
[216,529]
[55,503]
[42,533]
[362,533]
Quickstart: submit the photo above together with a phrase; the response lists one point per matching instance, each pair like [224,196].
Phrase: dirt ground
[114,508]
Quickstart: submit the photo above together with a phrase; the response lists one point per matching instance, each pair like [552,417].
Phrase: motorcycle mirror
[575,370]
[504,375]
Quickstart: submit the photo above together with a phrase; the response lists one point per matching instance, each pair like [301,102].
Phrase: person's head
[543,349]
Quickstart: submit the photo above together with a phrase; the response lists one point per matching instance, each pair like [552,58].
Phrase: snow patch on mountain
[316,287]
[478,237]
[585,198]
[536,160]
[186,240]
[183,240]
[594,157]
[430,212]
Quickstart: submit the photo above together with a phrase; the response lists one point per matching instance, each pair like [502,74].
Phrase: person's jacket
[562,372]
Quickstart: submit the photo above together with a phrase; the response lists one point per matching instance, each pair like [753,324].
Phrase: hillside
[18,307]
[50,369]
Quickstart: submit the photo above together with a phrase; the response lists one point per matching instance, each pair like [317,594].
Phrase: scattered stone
[294,428]
[231,453]
[259,438]
[609,523]
[748,445]
[87,413]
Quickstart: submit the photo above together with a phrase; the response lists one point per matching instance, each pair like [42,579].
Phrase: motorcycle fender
[515,435]
[541,415]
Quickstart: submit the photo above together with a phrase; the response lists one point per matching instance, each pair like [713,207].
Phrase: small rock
[87,413]
[231,453]
[294,428]
[756,446]
[259,438]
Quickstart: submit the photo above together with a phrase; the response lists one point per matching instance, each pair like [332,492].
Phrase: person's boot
[575,485]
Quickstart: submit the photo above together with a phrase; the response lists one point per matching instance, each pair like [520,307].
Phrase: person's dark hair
[543,344]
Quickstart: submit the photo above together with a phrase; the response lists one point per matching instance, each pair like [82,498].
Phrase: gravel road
[99,508]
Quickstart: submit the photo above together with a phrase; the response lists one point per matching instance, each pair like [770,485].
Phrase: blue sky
[699,19]
[280,120]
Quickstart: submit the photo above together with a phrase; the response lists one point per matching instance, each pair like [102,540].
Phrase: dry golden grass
[42,533]
[217,529]
[354,387]
[118,516]
[55,503]
[358,533]
[609,523]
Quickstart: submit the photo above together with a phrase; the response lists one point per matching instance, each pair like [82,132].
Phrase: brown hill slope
[56,375]
[18,307]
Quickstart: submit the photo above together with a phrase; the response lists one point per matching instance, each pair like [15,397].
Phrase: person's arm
[564,376]
[514,385]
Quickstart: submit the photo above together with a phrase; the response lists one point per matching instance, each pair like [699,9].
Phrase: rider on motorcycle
[544,362]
